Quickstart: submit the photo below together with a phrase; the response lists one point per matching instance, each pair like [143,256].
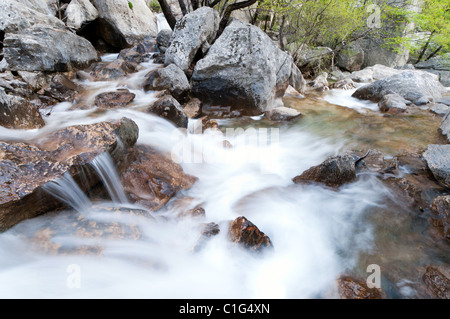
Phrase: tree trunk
[229,10]
[283,21]
[425,48]
[183,8]
[168,14]
[434,53]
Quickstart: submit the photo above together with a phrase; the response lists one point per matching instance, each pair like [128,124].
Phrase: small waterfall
[66,190]
[105,168]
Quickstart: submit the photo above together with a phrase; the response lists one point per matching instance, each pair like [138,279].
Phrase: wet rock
[112,70]
[356,288]
[207,231]
[320,83]
[151,179]
[62,89]
[197,211]
[18,113]
[79,13]
[282,114]
[116,99]
[170,78]
[26,168]
[122,26]
[141,52]
[245,233]
[351,58]
[36,80]
[441,218]
[333,172]
[190,35]
[345,84]
[47,49]
[415,86]
[167,107]
[242,69]
[193,108]
[440,109]
[163,40]
[418,188]
[438,160]
[392,103]
[119,223]
[374,161]
[445,126]
[437,283]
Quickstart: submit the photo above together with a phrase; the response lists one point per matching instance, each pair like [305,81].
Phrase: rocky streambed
[189,167]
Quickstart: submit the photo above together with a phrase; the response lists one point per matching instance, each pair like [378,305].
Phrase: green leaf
[130,5]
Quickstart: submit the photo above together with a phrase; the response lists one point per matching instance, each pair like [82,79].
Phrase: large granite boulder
[16,16]
[122,26]
[80,13]
[415,86]
[47,49]
[243,69]
[170,78]
[193,32]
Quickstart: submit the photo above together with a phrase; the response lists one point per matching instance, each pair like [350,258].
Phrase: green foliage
[320,22]
[155,6]
[431,34]
[130,5]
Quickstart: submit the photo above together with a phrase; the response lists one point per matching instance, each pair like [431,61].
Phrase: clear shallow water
[317,233]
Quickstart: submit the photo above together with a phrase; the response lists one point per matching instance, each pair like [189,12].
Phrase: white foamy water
[344,98]
[317,233]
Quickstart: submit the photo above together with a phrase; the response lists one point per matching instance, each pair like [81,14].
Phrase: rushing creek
[318,234]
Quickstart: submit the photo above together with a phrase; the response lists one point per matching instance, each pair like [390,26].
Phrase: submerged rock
[437,283]
[122,26]
[242,69]
[245,233]
[87,235]
[441,218]
[151,178]
[355,288]
[333,172]
[26,168]
[438,160]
